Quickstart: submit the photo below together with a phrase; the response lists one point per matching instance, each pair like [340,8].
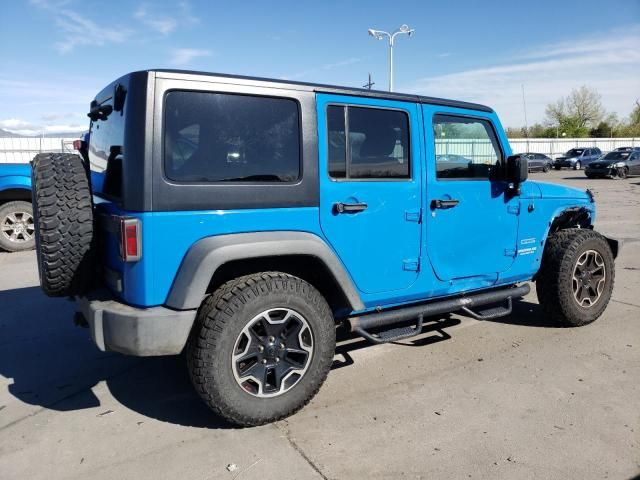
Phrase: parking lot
[513,398]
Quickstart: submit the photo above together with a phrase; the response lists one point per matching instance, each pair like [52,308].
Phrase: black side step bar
[362,324]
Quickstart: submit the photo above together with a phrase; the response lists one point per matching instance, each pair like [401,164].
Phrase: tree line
[579,115]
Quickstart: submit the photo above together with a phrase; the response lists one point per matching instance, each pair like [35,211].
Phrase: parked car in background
[16,213]
[538,162]
[626,149]
[616,164]
[576,158]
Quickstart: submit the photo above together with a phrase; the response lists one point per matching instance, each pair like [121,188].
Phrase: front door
[370,188]
[471,219]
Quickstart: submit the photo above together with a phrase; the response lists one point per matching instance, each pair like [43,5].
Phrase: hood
[15,169]
[604,163]
[552,190]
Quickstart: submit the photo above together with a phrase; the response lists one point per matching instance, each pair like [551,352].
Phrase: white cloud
[161,24]
[184,56]
[79,30]
[610,64]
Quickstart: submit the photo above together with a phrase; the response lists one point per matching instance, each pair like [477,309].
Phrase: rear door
[471,220]
[370,188]
[634,163]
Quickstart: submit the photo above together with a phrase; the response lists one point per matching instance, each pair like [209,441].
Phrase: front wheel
[546,168]
[622,173]
[261,347]
[575,280]
[577,166]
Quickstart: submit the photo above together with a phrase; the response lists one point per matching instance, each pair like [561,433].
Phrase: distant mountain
[6,134]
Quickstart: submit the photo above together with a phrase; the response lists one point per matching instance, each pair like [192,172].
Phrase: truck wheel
[16,226]
[63,214]
[261,347]
[576,277]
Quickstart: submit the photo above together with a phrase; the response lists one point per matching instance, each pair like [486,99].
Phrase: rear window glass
[106,142]
[217,137]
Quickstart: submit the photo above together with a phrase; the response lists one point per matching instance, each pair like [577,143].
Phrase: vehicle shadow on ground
[55,365]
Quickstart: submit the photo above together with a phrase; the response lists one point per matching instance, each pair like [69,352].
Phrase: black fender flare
[210,253]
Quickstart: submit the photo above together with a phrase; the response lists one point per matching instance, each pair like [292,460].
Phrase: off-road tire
[554,280]
[63,217]
[14,209]
[221,318]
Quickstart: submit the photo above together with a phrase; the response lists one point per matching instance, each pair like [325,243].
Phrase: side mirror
[517,172]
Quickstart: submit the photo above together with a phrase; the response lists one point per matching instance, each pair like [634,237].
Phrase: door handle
[340,207]
[444,204]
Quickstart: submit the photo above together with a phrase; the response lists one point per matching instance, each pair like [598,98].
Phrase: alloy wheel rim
[18,227]
[272,352]
[589,278]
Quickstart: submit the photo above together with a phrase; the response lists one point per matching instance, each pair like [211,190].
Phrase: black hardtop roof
[316,87]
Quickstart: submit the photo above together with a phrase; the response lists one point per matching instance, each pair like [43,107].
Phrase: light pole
[380,34]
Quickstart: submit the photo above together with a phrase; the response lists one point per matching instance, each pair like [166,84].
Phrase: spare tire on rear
[63,217]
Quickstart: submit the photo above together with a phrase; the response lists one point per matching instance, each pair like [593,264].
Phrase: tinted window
[616,155]
[465,147]
[574,152]
[337,146]
[214,137]
[106,149]
[378,145]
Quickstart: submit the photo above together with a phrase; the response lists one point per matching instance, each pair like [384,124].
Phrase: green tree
[575,114]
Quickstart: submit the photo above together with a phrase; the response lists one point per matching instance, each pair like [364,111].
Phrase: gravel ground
[515,398]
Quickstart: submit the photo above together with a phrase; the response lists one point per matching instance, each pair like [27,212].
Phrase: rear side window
[216,137]
[106,142]
[378,145]
[465,147]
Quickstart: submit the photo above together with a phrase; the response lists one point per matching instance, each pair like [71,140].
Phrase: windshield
[574,152]
[616,156]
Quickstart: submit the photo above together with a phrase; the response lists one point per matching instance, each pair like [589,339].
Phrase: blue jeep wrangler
[16,216]
[242,219]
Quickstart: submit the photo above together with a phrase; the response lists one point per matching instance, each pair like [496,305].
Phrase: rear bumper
[564,163]
[135,331]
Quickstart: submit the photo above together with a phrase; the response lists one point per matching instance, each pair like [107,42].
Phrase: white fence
[23,149]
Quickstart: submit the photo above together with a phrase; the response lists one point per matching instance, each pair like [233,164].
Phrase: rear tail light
[130,239]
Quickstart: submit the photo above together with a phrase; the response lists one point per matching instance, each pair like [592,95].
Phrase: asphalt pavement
[506,399]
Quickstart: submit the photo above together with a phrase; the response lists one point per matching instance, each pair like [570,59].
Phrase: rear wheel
[261,347]
[576,277]
[17,231]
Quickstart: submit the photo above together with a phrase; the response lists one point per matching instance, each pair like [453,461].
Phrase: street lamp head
[376,33]
[404,28]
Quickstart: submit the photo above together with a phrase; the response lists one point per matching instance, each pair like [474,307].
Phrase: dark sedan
[538,162]
[615,164]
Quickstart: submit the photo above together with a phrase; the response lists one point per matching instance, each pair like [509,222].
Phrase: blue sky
[57,54]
